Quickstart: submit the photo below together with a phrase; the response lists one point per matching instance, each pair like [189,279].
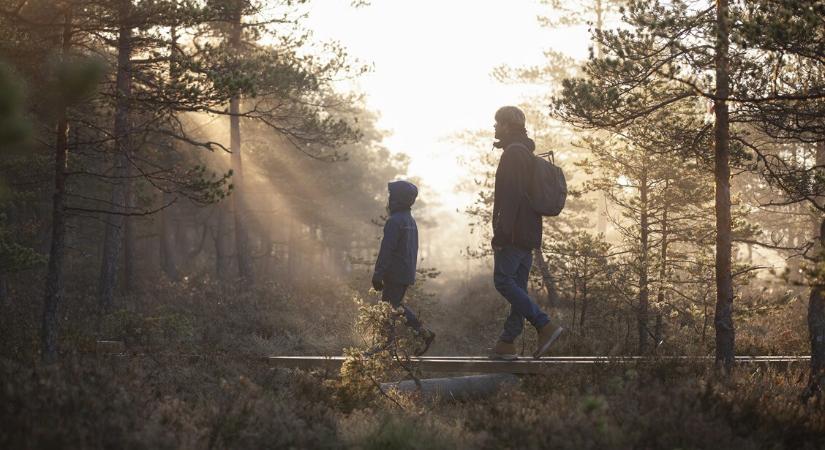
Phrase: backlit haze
[432,78]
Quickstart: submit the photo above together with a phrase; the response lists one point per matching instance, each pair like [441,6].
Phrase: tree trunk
[628,327]
[816,217]
[129,240]
[598,51]
[575,295]
[182,246]
[599,10]
[663,273]
[584,298]
[547,279]
[221,241]
[644,288]
[57,250]
[705,316]
[115,223]
[4,290]
[172,234]
[658,330]
[269,255]
[723,320]
[292,251]
[168,254]
[816,325]
[816,302]
[241,236]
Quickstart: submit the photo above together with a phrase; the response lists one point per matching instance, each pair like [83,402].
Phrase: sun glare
[432,79]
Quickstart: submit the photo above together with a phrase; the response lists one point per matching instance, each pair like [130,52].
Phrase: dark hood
[520,138]
[402,195]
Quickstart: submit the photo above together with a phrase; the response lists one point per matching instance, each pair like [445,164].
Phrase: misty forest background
[186,177]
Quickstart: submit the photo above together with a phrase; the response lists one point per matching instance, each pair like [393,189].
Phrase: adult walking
[517,232]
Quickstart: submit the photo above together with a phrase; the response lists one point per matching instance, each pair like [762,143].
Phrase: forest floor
[193,378]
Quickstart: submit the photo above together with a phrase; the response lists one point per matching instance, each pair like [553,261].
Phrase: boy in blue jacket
[395,266]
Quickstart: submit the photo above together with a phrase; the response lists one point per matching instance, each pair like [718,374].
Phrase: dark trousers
[393,294]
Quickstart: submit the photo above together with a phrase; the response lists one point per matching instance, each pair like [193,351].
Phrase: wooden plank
[482,364]
[626,358]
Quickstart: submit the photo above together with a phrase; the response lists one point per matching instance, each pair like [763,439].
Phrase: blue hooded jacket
[399,247]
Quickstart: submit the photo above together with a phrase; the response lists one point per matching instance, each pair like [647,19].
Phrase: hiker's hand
[378,285]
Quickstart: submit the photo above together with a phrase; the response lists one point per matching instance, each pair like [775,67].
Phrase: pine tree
[664,59]
[265,78]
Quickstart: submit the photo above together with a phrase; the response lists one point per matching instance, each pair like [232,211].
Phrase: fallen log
[454,388]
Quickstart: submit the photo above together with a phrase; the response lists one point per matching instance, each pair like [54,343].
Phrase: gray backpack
[547,187]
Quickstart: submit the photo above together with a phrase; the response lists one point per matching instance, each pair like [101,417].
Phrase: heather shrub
[192,377]
[384,355]
[394,430]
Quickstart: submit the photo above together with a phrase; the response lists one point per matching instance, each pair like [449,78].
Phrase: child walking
[395,266]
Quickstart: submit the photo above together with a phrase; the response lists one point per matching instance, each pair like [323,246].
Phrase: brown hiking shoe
[503,350]
[547,335]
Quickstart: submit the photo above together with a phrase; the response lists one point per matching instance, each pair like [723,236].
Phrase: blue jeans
[393,293]
[511,270]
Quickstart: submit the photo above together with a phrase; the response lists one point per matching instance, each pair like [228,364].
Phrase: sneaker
[547,335]
[505,351]
[428,337]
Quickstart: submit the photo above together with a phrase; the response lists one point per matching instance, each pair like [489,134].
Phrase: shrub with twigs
[385,354]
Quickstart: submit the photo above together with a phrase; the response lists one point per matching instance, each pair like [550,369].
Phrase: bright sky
[433,61]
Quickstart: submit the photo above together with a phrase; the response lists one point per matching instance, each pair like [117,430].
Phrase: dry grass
[192,380]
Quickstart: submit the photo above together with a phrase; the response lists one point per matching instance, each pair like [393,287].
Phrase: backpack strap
[532,173]
[518,144]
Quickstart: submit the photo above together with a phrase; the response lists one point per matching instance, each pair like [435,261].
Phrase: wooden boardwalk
[482,364]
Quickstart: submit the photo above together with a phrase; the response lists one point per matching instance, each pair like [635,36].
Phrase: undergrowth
[192,378]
